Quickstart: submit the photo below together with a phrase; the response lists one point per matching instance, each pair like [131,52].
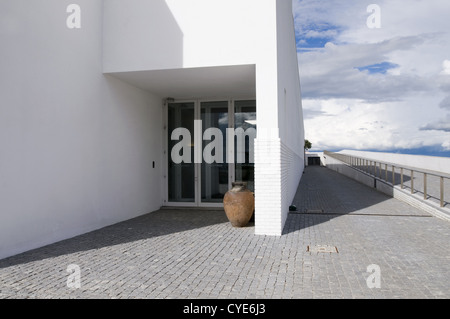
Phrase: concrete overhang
[236,81]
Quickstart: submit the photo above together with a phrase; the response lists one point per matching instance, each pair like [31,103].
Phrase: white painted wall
[205,33]
[170,34]
[141,35]
[434,163]
[290,112]
[76,147]
[280,156]
[218,32]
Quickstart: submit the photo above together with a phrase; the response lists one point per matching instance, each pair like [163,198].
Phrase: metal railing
[388,172]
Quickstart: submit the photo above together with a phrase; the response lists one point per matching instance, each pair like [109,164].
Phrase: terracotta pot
[239,204]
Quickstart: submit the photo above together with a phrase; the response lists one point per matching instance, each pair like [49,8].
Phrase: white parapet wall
[415,200]
[433,163]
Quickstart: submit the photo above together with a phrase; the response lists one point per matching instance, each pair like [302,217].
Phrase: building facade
[91,94]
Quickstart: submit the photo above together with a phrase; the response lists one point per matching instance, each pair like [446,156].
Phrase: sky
[375,77]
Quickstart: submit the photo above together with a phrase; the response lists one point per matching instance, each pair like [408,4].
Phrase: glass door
[198,173]
[244,157]
[214,167]
[181,168]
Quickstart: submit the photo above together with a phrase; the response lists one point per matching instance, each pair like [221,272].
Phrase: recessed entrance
[193,180]
[313,161]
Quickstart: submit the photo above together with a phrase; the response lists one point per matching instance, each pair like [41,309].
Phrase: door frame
[166,155]
[197,166]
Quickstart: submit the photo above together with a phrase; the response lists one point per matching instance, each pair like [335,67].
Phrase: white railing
[395,174]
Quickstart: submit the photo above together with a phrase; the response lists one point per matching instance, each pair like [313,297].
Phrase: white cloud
[356,124]
[442,125]
[446,67]
[349,108]
[321,34]
[332,72]
[446,145]
[445,104]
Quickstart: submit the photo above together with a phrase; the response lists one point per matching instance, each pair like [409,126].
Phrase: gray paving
[197,253]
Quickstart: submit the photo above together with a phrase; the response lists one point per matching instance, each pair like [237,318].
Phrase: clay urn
[239,204]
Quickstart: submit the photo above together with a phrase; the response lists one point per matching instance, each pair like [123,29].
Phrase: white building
[90,91]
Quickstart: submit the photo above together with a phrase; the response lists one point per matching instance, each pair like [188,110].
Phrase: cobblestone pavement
[197,254]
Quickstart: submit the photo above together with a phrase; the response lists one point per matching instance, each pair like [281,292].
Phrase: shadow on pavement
[324,194]
[160,223]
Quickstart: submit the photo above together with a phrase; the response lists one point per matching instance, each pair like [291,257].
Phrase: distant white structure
[314,159]
[89,94]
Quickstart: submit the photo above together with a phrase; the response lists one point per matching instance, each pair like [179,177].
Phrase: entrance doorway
[190,182]
[313,161]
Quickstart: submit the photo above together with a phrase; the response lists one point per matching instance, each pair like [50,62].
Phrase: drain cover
[322,249]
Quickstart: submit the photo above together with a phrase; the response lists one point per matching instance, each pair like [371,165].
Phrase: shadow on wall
[324,194]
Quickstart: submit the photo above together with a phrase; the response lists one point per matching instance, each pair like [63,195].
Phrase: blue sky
[381,68]
[385,88]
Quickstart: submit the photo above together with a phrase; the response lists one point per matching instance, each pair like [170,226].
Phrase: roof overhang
[195,83]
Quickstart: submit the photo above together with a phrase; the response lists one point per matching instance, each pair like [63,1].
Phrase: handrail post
[393,175]
[412,182]
[425,186]
[442,191]
[385,171]
[401,177]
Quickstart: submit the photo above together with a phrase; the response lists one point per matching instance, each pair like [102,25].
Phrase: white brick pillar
[268,197]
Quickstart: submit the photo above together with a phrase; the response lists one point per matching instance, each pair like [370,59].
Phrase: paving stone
[198,254]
